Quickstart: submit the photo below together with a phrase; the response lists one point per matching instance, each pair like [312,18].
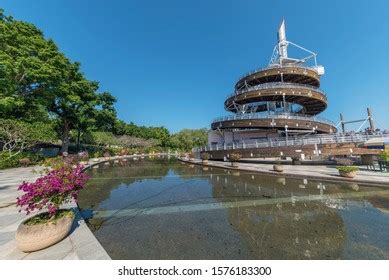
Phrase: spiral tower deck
[280,99]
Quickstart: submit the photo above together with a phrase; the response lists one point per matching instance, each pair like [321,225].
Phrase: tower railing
[274,66]
[288,116]
[277,85]
[300,141]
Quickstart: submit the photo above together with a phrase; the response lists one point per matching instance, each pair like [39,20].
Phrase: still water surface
[166,209]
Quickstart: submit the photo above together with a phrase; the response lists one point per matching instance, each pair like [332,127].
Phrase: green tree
[161,134]
[187,139]
[119,127]
[72,102]
[130,129]
[30,67]
[38,83]
[103,138]
[106,115]
[95,113]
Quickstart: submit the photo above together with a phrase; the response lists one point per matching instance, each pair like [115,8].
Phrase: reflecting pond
[166,209]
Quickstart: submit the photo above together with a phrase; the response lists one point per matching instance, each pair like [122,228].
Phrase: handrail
[256,116]
[291,141]
[276,85]
[272,67]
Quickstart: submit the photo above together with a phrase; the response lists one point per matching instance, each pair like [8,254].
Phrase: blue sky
[173,62]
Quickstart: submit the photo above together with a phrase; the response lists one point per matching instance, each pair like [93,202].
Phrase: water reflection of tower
[280,230]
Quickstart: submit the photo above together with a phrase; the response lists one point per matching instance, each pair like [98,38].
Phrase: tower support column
[371,122]
[342,123]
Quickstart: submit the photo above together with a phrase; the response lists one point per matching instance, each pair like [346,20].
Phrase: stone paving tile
[5,237]
[58,251]
[8,220]
[71,256]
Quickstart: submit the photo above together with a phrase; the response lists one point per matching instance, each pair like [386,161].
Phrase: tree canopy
[186,139]
[31,67]
[38,83]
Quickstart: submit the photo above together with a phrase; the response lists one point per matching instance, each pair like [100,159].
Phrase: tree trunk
[65,137]
[78,139]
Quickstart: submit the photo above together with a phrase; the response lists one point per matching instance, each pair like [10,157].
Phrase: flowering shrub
[84,156]
[59,186]
[123,152]
[59,162]
[97,154]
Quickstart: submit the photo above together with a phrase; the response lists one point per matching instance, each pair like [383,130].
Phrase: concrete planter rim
[30,238]
[351,174]
[278,168]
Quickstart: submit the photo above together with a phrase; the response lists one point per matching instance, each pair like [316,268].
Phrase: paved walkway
[327,173]
[80,244]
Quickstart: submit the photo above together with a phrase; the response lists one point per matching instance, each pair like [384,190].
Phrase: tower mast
[282,43]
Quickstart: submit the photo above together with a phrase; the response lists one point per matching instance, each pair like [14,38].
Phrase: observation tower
[280,100]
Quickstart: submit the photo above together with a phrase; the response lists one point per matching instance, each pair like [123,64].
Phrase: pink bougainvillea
[59,186]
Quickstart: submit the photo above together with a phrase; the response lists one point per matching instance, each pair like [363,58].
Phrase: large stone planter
[234,164]
[24,162]
[205,161]
[31,238]
[278,168]
[347,174]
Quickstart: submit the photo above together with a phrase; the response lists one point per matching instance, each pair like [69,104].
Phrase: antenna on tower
[280,52]
[282,43]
